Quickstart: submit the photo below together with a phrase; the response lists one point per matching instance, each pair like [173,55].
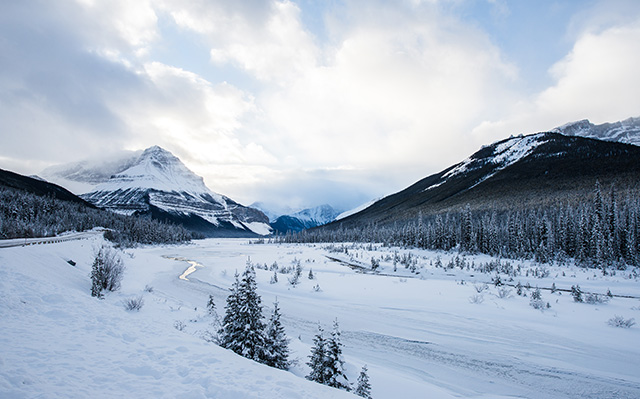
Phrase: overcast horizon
[301,103]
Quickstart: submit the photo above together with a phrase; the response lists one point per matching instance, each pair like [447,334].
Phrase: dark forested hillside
[32,208]
[545,196]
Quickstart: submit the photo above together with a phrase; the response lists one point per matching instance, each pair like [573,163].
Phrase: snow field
[419,334]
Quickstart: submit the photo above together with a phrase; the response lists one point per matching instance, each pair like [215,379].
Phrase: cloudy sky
[306,102]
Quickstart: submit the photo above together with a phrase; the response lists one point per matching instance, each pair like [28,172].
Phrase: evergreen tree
[317,358]
[335,375]
[576,293]
[277,342]
[211,306]
[230,333]
[243,328]
[363,389]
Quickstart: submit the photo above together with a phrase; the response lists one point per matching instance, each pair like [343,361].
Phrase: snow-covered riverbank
[433,335]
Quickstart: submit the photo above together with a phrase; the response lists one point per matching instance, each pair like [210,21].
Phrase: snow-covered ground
[428,334]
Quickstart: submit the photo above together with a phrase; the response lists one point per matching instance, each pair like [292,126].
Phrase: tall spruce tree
[317,358]
[230,333]
[243,328]
[277,341]
[335,375]
[363,389]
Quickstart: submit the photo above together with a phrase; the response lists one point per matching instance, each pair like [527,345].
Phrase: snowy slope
[420,333]
[357,209]
[626,131]
[59,342]
[159,182]
[504,154]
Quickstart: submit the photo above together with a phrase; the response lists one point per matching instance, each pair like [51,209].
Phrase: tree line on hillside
[602,232]
[26,215]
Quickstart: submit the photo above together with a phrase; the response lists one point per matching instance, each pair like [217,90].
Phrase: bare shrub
[476,298]
[504,292]
[106,272]
[480,287]
[621,322]
[133,304]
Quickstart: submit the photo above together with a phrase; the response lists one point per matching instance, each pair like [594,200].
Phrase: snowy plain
[428,334]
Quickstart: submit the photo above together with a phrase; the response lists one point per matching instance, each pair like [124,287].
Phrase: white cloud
[597,80]
[400,88]
[267,41]
[386,94]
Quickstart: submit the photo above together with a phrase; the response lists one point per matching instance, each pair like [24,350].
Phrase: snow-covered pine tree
[211,306]
[243,329]
[230,333]
[317,357]
[576,293]
[363,389]
[277,341]
[335,375]
[250,317]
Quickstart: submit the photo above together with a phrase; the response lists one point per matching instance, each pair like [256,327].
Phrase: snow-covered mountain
[515,173]
[626,131]
[155,182]
[305,219]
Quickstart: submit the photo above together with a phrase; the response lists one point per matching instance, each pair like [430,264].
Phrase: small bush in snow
[595,299]
[106,272]
[134,304]
[148,288]
[504,292]
[476,298]
[536,301]
[375,263]
[179,325]
[619,321]
[316,288]
[480,287]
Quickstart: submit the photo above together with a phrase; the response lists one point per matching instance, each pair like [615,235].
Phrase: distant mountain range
[523,171]
[516,172]
[156,183]
[298,221]
[626,131]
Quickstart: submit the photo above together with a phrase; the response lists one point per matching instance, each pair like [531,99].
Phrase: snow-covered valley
[423,334]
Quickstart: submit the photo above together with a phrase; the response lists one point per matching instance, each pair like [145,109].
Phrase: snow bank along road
[21,242]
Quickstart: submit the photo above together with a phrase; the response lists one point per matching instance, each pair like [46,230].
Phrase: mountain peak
[158,169]
[626,131]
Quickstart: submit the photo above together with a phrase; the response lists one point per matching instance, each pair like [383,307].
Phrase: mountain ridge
[154,182]
[518,171]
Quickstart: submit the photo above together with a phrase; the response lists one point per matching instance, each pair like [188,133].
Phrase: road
[21,242]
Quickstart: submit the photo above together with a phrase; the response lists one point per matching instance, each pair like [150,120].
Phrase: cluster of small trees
[603,232]
[24,215]
[243,329]
[245,332]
